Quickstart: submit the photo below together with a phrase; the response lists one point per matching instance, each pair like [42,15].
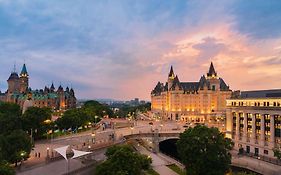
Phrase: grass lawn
[151,172]
[176,169]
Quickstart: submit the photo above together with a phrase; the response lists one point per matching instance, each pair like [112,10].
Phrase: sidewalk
[256,165]
[158,163]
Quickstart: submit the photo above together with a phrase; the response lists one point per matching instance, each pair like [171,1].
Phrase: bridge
[155,137]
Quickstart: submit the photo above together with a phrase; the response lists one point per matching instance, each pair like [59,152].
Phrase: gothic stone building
[198,102]
[19,91]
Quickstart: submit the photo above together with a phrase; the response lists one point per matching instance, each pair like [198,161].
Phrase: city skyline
[79,44]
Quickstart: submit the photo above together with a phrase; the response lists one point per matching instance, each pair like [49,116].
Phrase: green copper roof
[24,70]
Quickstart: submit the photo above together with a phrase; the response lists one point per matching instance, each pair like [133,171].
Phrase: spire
[212,72]
[24,71]
[14,69]
[171,74]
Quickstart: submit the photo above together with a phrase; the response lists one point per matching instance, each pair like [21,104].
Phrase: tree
[277,152]
[9,117]
[204,150]
[73,118]
[123,160]
[17,146]
[35,119]
[5,169]
[94,108]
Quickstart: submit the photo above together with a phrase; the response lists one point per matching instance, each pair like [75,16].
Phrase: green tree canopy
[9,117]
[5,169]
[73,118]
[123,160]
[204,150]
[94,108]
[35,118]
[277,152]
[15,147]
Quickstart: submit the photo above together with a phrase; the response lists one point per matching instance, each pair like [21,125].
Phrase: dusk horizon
[121,49]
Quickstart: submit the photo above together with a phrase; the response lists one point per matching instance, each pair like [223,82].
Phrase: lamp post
[93,137]
[96,119]
[132,128]
[48,149]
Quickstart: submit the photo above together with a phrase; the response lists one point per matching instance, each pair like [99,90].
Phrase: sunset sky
[121,48]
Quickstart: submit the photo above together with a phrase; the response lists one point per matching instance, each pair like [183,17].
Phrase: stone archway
[169,147]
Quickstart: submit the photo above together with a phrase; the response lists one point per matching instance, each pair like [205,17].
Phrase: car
[150,123]
[185,126]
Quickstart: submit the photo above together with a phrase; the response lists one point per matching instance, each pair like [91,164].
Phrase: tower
[171,78]
[213,78]
[13,82]
[52,88]
[23,79]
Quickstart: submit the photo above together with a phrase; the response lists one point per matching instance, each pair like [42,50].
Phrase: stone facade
[198,102]
[254,122]
[18,92]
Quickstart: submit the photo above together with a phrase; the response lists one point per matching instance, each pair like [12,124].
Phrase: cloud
[259,19]
[121,49]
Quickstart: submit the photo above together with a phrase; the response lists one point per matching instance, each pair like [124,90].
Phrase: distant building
[191,101]
[19,92]
[254,121]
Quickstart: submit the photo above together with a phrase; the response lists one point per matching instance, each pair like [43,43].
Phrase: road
[60,167]
[82,140]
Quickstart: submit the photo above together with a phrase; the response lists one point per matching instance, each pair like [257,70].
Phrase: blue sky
[120,49]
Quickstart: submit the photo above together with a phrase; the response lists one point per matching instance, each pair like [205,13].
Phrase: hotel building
[254,121]
[191,101]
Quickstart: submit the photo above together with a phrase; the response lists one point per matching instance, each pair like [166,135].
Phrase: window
[213,87]
[265,151]
[248,149]
[256,151]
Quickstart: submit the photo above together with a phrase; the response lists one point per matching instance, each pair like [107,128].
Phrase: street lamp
[22,154]
[93,137]
[48,149]
[132,128]
[96,119]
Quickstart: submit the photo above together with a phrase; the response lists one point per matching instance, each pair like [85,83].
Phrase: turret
[24,79]
[212,73]
[72,92]
[213,78]
[171,78]
[60,89]
[13,82]
[52,88]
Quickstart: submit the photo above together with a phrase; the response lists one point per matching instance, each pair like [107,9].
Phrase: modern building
[254,121]
[199,102]
[19,91]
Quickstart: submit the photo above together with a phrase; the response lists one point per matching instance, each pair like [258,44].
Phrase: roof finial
[14,70]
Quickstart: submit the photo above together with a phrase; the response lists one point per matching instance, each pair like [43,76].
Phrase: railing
[263,158]
[152,135]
